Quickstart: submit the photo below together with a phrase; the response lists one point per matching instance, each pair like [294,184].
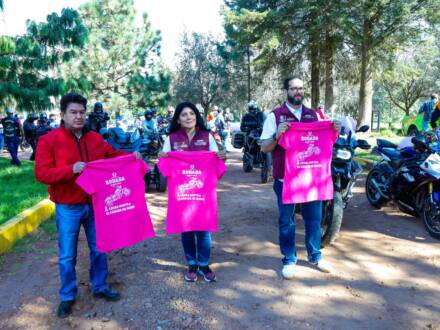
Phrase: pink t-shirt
[307,172]
[192,190]
[118,192]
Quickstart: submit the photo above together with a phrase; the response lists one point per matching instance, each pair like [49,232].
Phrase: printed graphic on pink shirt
[192,190]
[307,172]
[118,193]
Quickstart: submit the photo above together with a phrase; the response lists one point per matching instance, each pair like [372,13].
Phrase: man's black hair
[289,79]
[72,98]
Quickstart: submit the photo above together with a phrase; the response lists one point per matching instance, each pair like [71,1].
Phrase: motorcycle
[345,172]
[410,178]
[132,141]
[252,154]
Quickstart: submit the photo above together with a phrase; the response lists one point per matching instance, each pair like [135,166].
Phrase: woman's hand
[137,155]
[221,154]
[337,125]
[162,154]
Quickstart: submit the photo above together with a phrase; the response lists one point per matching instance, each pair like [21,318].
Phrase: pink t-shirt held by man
[192,190]
[307,172]
[118,192]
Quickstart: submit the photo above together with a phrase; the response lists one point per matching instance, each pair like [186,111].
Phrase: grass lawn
[18,189]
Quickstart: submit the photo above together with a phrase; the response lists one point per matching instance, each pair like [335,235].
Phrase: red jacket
[57,151]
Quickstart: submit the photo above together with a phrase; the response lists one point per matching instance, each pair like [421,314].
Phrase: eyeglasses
[296,88]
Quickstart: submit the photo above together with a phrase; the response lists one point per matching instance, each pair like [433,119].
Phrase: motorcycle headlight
[343,154]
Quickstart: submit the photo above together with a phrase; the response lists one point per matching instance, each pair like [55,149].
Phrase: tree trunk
[249,72]
[315,63]
[366,86]
[329,64]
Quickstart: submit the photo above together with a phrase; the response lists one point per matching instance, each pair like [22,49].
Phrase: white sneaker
[324,266]
[288,271]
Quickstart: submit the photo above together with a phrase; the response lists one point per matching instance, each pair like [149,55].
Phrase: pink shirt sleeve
[85,183]
[163,165]
[143,167]
[285,140]
[221,168]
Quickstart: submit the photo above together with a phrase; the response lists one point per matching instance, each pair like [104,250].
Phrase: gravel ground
[386,274]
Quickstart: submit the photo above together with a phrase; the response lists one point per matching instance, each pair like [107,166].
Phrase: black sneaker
[191,274]
[108,294]
[65,309]
[207,273]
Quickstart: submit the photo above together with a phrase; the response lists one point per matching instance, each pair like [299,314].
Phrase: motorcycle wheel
[332,212]
[431,217]
[147,180]
[161,181]
[247,165]
[374,197]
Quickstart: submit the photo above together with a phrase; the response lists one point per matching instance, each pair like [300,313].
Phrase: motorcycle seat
[386,144]
[392,153]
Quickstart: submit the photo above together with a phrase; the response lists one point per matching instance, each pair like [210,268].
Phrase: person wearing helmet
[253,119]
[98,118]
[12,131]
[30,133]
[43,125]
[149,126]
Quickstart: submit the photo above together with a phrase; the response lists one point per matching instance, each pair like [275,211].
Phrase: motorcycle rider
[253,119]
[149,125]
[43,125]
[12,131]
[30,133]
[98,118]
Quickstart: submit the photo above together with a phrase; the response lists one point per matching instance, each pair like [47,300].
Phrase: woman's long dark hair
[175,126]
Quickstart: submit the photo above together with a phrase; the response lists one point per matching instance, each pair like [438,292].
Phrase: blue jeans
[13,143]
[69,219]
[312,214]
[197,253]
[2,142]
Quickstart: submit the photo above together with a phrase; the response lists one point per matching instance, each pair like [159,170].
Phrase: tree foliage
[121,61]
[201,74]
[27,62]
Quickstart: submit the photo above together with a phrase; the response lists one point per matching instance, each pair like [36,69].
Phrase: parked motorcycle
[411,178]
[252,154]
[132,141]
[345,171]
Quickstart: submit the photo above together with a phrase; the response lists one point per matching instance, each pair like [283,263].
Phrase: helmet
[32,116]
[42,115]
[98,106]
[148,113]
[9,111]
[253,105]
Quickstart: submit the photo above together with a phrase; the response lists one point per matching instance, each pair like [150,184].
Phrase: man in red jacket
[62,155]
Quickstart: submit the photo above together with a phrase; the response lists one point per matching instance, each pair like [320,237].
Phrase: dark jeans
[33,145]
[12,143]
[197,247]
[69,219]
[312,214]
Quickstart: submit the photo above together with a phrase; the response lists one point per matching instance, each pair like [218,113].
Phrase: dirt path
[387,270]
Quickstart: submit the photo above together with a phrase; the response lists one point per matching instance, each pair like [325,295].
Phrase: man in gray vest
[275,125]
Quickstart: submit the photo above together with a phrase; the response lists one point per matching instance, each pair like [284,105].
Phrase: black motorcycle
[409,177]
[345,171]
[252,154]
